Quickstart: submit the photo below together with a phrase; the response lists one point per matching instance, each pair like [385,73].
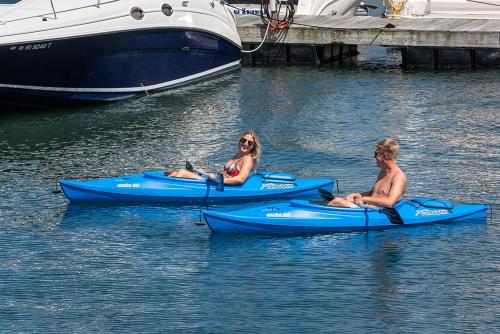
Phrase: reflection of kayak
[157,187]
[301,216]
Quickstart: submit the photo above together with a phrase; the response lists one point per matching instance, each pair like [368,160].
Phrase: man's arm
[398,187]
[353,197]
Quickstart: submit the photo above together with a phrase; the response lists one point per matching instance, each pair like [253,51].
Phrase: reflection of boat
[93,50]
[300,216]
[157,187]
[445,8]
[302,7]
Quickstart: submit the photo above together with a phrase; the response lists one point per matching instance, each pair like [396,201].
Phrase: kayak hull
[304,217]
[157,187]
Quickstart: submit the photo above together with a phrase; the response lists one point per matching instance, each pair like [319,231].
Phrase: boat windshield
[9,2]
[252,2]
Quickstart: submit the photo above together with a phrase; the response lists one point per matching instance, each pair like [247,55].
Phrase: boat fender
[57,188]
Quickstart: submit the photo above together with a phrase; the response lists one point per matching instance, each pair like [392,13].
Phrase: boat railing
[53,14]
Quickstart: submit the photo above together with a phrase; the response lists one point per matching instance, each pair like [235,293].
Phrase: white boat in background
[63,51]
[302,7]
[487,9]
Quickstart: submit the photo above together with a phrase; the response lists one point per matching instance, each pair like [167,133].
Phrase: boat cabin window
[9,2]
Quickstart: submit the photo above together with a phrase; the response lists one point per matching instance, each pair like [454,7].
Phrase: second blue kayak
[157,187]
[299,216]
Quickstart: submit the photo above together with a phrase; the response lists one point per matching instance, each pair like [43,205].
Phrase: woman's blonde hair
[256,150]
[389,146]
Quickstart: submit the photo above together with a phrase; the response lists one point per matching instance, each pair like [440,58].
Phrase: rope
[484,3]
[395,6]
[272,23]
[282,23]
[261,43]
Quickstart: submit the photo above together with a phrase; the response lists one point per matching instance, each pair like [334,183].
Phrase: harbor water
[151,269]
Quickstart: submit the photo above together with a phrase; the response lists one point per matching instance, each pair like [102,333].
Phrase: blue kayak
[300,216]
[157,187]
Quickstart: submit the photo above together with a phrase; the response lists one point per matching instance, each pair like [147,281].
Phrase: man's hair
[389,146]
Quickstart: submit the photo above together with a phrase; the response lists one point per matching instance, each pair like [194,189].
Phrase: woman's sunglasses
[244,140]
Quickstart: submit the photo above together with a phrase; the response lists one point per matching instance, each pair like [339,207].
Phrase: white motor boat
[302,7]
[63,51]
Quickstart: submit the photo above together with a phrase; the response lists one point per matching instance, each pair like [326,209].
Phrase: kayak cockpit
[267,177]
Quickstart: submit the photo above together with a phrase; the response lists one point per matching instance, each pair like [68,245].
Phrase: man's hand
[354,197]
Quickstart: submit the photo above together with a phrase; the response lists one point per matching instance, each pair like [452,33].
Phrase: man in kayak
[390,185]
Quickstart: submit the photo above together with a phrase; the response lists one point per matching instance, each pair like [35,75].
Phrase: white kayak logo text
[128,185]
[278,215]
[277,186]
[427,212]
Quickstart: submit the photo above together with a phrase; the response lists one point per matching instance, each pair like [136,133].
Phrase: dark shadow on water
[55,107]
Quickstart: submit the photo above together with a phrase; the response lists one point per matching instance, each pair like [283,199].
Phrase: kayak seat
[277,176]
[320,205]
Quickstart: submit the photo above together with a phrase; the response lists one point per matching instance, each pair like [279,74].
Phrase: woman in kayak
[237,169]
[390,185]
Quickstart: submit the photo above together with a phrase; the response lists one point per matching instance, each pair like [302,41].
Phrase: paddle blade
[325,194]
[189,167]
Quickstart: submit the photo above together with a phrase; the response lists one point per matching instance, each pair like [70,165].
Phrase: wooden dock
[438,42]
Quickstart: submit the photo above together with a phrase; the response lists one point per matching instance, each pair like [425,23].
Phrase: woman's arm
[246,168]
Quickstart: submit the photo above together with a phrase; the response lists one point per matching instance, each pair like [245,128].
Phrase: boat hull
[156,187]
[303,217]
[110,66]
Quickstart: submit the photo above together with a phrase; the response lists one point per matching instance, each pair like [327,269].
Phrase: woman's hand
[211,176]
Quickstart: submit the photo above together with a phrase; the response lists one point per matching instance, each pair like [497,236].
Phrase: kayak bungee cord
[425,203]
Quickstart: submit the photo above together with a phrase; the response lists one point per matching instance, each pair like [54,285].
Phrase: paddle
[326,195]
[189,166]
[219,180]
